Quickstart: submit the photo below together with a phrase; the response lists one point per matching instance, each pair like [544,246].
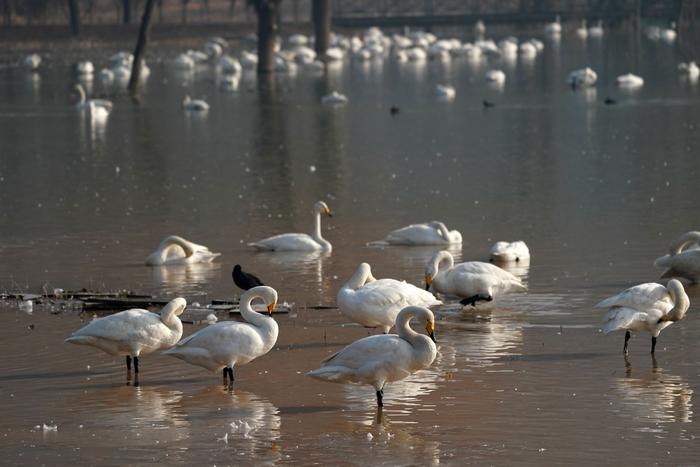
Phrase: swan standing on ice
[376,303]
[97,107]
[177,250]
[473,280]
[509,252]
[194,105]
[646,307]
[134,332]
[429,233]
[683,259]
[245,280]
[299,241]
[228,343]
[385,358]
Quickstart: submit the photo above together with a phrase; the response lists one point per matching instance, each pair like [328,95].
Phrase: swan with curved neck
[429,233]
[299,241]
[646,307]
[683,259]
[376,303]
[385,358]
[134,332]
[96,107]
[472,281]
[177,250]
[228,343]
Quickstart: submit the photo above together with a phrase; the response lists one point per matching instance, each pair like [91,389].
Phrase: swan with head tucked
[429,233]
[376,303]
[177,250]
[646,307]
[96,107]
[299,241]
[32,62]
[508,252]
[228,343]
[683,259]
[133,332]
[472,281]
[385,358]
[194,105]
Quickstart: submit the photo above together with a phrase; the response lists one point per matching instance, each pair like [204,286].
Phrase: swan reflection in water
[307,266]
[520,269]
[184,278]
[653,395]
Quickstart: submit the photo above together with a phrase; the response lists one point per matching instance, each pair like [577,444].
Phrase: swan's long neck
[174,241]
[443,260]
[359,278]
[681,303]
[81,95]
[253,317]
[169,315]
[685,240]
[403,327]
[316,233]
[442,228]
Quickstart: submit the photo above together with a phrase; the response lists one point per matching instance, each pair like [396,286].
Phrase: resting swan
[381,359]
[429,233]
[133,332]
[299,241]
[177,250]
[96,107]
[683,259]
[376,303]
[473,280]
[508,252]
[228,343]
[646,307]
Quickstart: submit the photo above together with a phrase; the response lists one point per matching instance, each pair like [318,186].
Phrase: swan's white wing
[105,104]
[371,350]
[685,264]
[287,242]
[415,234]
[641,297]
[135,326]
[482,277]
[390,292]
[624,318]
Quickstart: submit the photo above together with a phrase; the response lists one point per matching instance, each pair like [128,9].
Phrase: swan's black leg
[128,363]
[653,344]
[380,403]
[627,338]
[136,365]
[470,300]
[225,376]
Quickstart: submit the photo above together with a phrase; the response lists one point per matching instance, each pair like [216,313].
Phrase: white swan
[230,65]
[646,307]
[84,68]
[229,343]
[32,62]
[334,98]
[299,241]
[582,31]
[381,359]
[683,259]
[194,105]
[596,31]
[97,107]
[177,250]
[496,77]
[444,91]
[429,233]
[630,80]
[553,28]
[376,303]
[582,78]
[510,252]
[133,332]
[473,280]
[690,69]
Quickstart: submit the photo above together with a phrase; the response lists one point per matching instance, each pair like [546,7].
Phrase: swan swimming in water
[299,241]
[32,62]
[194,105]
[429,233]
[385,358]
[334,98]
[444,91]
[472,281]
[228,343]
[582,78]
[177,250]
[376,303]
[508,252]
[646,307]
[630,80]
[133,332]
[99,108]
[683,259]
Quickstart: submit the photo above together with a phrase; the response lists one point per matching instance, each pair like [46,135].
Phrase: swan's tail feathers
[333,374]
[259,246]
[378,243]
[519,286]
[80,340]
[663,262]
[621,318]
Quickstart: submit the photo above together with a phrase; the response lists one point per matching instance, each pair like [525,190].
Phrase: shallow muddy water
[598,192]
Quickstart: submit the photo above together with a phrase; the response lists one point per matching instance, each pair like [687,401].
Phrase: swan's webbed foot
[627,338]
[380,394]
[653,344]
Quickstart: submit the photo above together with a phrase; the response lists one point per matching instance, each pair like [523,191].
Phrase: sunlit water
[596,191]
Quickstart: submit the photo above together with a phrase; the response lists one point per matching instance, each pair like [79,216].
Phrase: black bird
[394,110]
[244,280]
[610,101]
[488,104]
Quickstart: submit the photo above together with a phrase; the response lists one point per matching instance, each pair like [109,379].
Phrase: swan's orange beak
[270,308]
[430,328]
[327,212]
[428,281]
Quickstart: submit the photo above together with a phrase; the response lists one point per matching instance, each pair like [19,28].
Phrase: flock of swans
[375,303]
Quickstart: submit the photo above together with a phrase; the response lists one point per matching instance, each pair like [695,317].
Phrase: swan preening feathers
[472,281]
[683,258]
[508,252]
[377,360]
[299,241]
[133,332]
[646,307]
[429,233]
[228,343]
[177,250]
[376,303]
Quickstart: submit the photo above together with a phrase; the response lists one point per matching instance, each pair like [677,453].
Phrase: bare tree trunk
[267,32]
[74,17]
[6,13]
[141,47]
[321,16]
[126,11]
